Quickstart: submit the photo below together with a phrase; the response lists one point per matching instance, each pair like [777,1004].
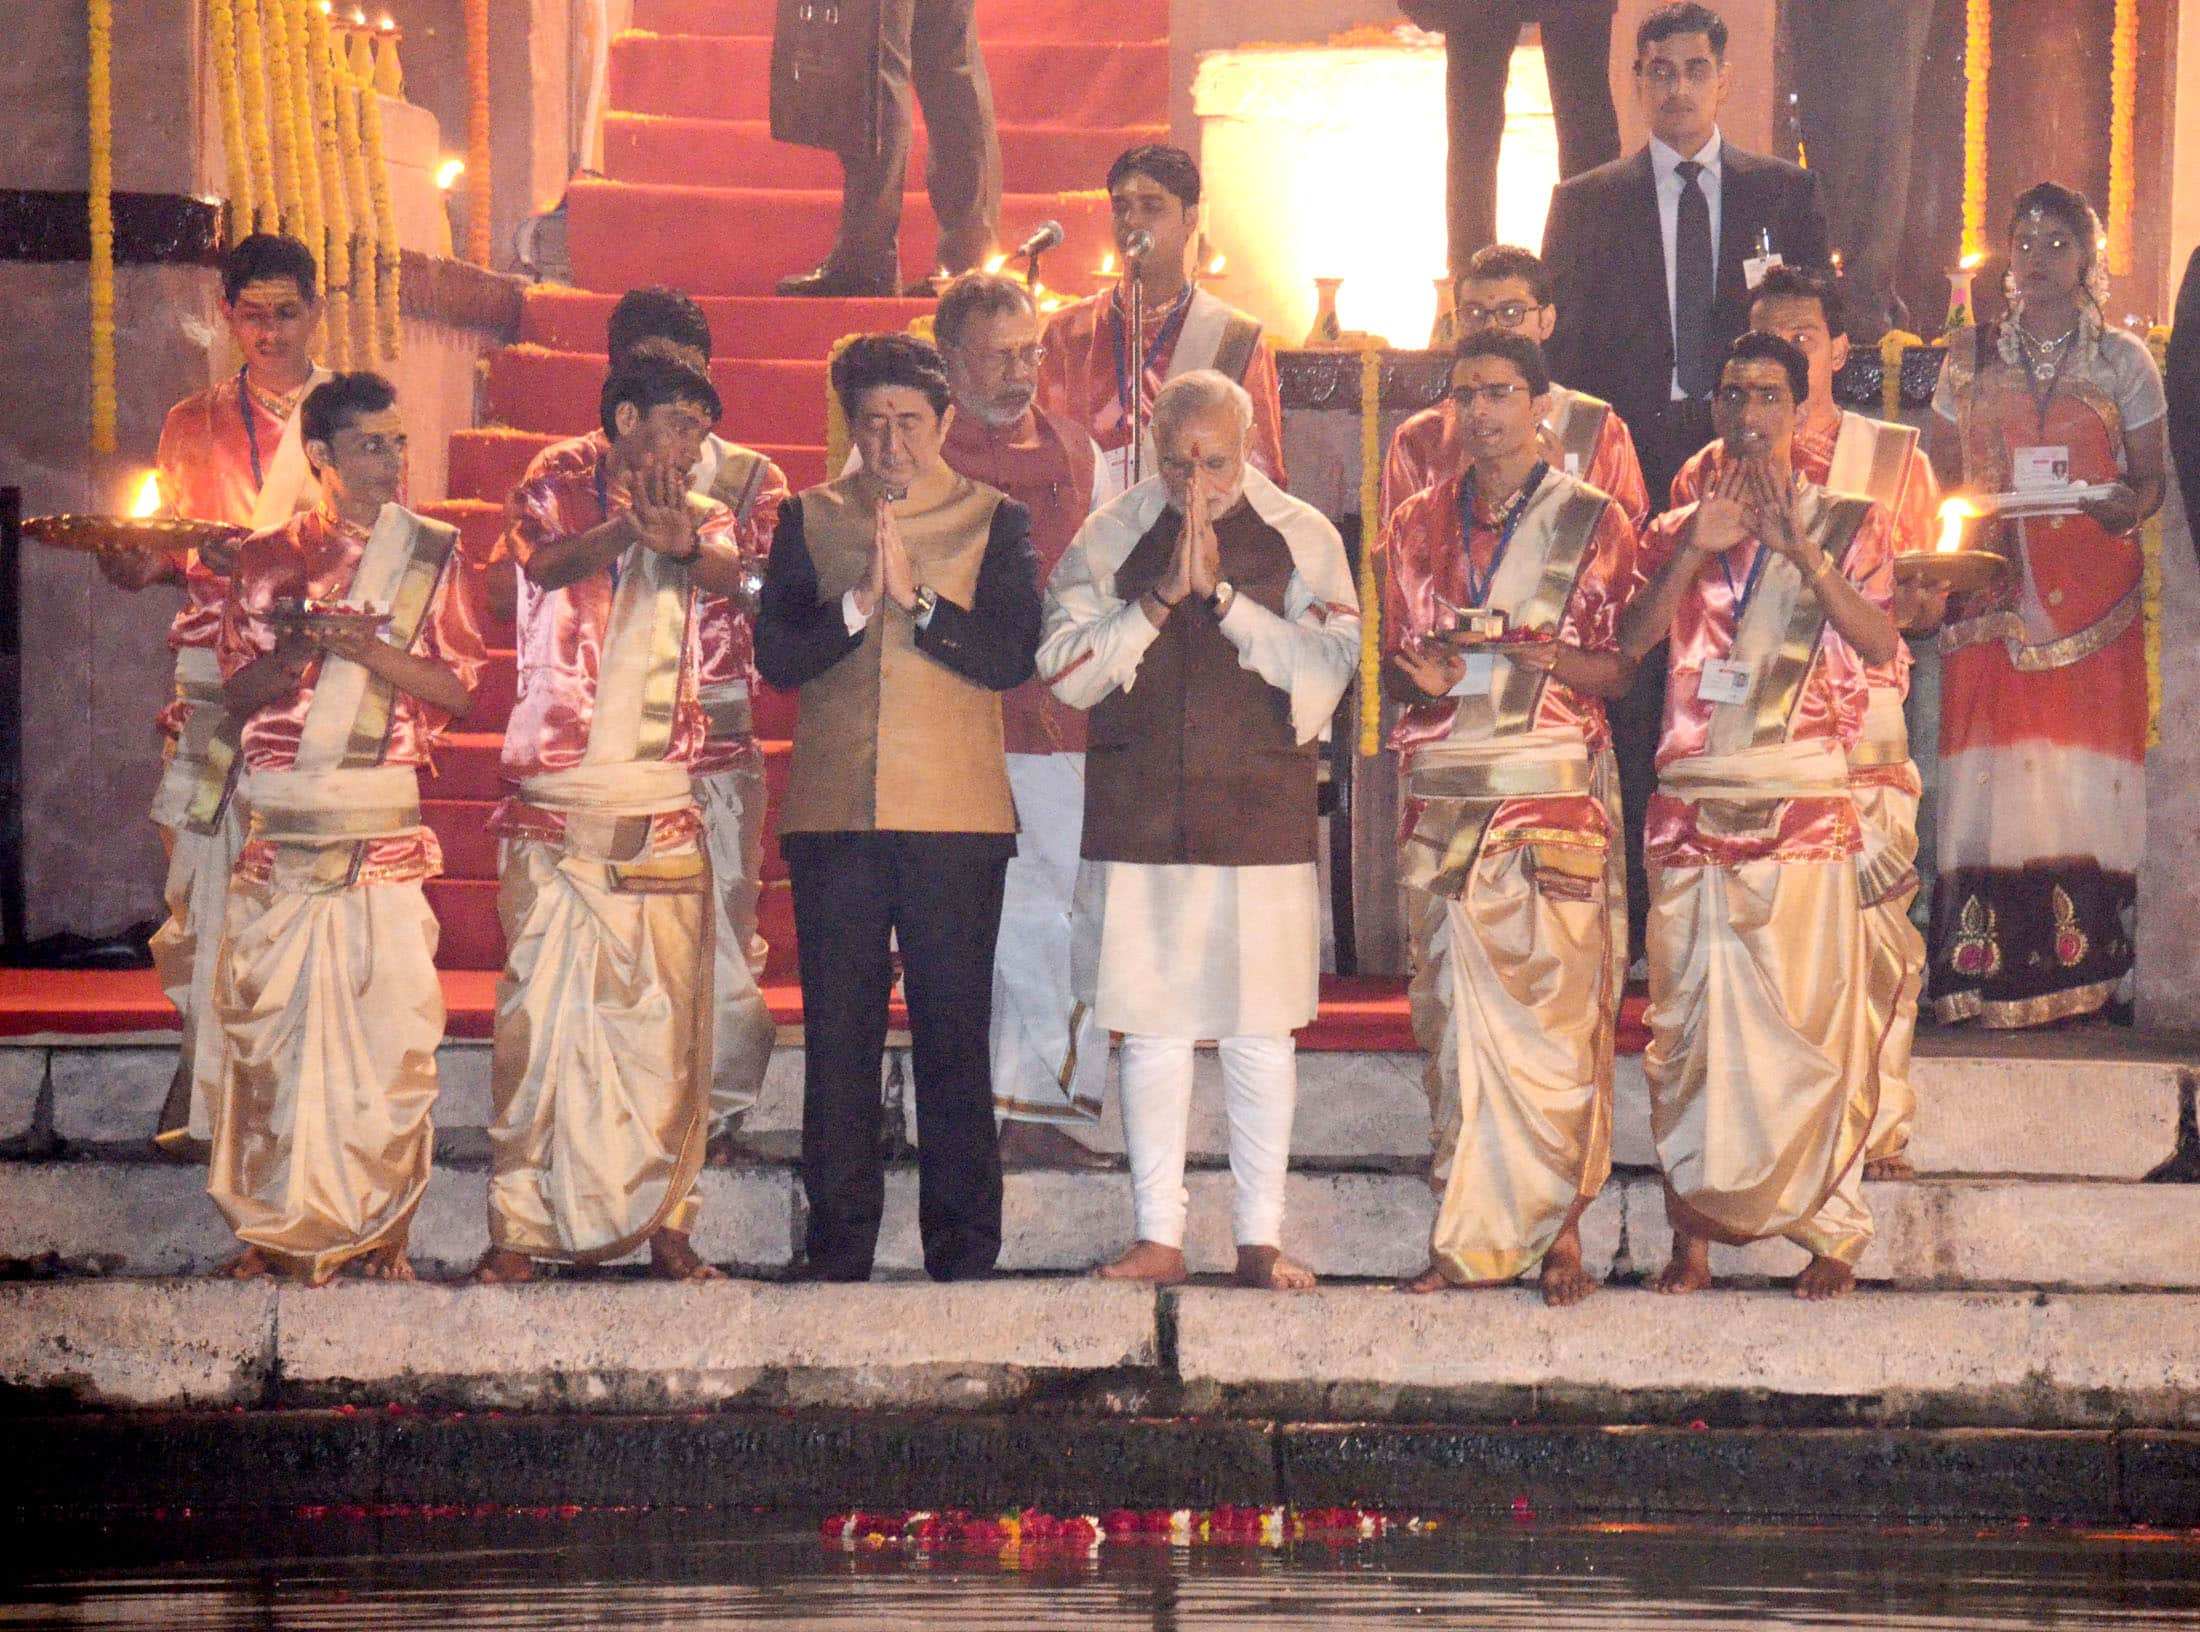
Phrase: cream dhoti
[1886,788]
[1763,1060]
[331,1012]
[203,822]
[602,1019]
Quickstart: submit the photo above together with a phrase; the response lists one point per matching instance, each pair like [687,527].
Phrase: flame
[1837,263]
[1971,262]
[147,502]
[996,263]
[1954,512]
[1107,264]
[448,172]
[386,23]
[1215,266]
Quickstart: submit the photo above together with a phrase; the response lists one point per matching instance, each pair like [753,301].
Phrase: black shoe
[928,286]
[832,282]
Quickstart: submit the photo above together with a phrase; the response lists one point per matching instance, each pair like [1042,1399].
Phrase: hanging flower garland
[1371,523]
[2150,578]
[1891,347]
[318,77]
[386,256]
[252,110]
[306,134]
[1978,60]
[351,160]
[221,42]
[2123,93]
[838,439]
[99,86]
[282,116]
[477,132]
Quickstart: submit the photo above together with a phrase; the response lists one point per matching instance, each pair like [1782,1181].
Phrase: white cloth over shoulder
[1094,639]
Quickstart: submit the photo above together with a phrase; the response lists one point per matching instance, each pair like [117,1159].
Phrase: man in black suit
[1652,258]
[2181,382]
[1479,36]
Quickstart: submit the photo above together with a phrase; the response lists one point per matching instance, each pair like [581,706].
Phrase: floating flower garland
[1978,60]
[2123,93]
[252,107]
[316,74]
[1371,527]
[477,132]
[1024,1528]
[387,258]
[99,88]
[221,42]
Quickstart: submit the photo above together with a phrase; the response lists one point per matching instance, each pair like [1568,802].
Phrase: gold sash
[1580,426]
[2029,658]
[1872,457]
[735,475]
[1461,781]
[195,785]
[638,680]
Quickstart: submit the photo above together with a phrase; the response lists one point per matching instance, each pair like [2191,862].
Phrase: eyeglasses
[1023,357]
[1665,76]
[1495,395]
[1508,316]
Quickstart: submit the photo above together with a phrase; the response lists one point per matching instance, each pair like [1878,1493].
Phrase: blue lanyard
[1743,595]
[251,433]
[1478,588]
[603,504]
[1170,326]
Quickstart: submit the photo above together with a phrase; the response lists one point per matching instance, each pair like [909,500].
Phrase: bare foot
[1825,1278]
[385,1263]
[673,1258]
[1041,1144]
[1429,1280]
[1564,1279]
[1268,1270]
[1897,1166]
[1689,1269]
[501,1266]
[1147,1261]
[248,1265]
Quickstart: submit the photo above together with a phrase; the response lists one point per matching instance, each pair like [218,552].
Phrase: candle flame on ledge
[1107,264]
[996,263]
[1954,513]
[1216,267]
[147,502]
[1971,262]
[448,172]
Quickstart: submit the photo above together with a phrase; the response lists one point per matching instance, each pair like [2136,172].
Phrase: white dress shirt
[1663,162]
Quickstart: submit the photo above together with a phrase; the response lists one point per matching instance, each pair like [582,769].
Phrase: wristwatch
[927,598]
[1224,590]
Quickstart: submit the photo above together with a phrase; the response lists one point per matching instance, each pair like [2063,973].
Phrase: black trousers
[1665,437]
[1478,48]
[939,896]
[930,48]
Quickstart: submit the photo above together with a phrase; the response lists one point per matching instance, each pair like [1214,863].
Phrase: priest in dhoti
[901,600]
[603,1021]
[1088,374]
[326,991]
[729,776]
[1764,1049]
[1501,637]
[1050,1057]
[1208,622]
[1506,290]
[231,453]
[1849,453]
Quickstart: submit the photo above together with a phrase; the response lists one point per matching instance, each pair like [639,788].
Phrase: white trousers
[1260,1079]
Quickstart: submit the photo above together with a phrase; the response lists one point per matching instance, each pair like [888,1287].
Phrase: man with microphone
[1087,374]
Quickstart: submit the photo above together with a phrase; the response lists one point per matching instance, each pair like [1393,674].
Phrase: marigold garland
[99,87]
[252,108]
[282,115]
[837,437]
[1029,1528]
[386,253]
[305,130]
[2123,93]
[1891,347]
[2150,577]
[1371,525]
[478,239]
[1978,61]
[351,159]
[221,42]
[317,75]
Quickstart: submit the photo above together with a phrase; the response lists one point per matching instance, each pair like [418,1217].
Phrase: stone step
[1977,1114]
[144,1218]
[1336,1355]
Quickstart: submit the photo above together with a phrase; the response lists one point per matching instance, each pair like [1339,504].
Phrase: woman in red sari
[2044,689]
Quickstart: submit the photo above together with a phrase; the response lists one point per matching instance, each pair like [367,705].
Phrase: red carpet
[1356,1015]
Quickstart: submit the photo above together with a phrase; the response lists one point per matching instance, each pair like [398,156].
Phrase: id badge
[1479,678]
[2040,469]
[1573,466]
[1755,268]
[1724,681]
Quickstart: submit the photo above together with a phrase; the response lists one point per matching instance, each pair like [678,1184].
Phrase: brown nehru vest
[888,739]
[1197,762]
[1045,464]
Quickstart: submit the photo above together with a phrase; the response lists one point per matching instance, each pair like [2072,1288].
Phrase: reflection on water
[698,1571]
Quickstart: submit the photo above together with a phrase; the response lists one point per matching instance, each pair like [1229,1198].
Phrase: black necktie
[1692,284]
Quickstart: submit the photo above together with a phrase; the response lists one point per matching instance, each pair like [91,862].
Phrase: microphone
[1137,245]
[1048,236]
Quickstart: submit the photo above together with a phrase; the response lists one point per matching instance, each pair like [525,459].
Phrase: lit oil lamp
[1948,565]
[143,528]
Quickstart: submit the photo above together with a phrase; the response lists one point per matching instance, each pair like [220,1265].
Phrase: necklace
[2042,358]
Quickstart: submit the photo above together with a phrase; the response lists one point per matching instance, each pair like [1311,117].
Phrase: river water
[701,1571]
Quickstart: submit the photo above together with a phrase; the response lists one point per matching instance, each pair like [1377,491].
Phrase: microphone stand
[1134,324]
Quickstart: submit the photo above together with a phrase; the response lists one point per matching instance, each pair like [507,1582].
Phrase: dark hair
[2066,205]
[1516,349]
[1494,261]
[975,295]
[656,313]
[1801,283]
[1172,167]
[1755,346]
[650,379]
[873,360]
[1682,17]
[340,399]
[263,255]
